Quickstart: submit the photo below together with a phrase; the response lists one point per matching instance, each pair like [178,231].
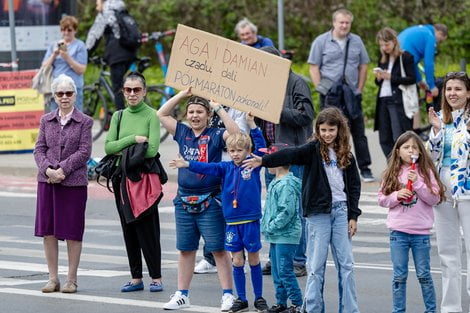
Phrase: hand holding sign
[233,74]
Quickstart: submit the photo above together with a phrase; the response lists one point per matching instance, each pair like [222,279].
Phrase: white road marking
[108,300]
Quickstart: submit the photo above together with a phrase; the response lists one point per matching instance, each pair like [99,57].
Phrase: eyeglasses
[451,75]
[129,90]
[66,30]
[68,94]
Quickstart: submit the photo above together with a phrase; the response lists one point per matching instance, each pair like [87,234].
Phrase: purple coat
[68,148]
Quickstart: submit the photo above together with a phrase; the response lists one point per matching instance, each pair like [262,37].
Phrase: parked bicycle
[99,96]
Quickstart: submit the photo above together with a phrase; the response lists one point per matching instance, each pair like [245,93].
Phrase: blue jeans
[282,270]
[209,224]
[400,244]
[300,258]
[325,230]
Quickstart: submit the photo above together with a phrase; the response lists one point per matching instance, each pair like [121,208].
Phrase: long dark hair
[333,117]
[446,108]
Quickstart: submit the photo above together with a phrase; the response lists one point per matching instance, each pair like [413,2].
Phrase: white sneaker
[177,301]
[227,302]
[204,267]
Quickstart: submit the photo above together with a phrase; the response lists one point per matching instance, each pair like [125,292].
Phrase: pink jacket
[415,218]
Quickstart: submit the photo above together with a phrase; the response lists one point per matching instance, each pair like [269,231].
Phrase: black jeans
[357,127]
[142,235]
[118,70]
[392,123]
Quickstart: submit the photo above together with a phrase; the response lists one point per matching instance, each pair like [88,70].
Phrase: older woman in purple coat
[61,153]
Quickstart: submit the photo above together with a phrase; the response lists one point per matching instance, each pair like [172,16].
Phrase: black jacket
[316,191]
[296,123]
[396,80]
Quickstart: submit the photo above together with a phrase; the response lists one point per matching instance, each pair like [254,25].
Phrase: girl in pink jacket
[410,188]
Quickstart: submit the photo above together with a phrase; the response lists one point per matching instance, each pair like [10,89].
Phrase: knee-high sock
[257,280]
[239,278]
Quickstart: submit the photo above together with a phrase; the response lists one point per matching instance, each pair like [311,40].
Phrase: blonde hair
[388,34]
[239,140]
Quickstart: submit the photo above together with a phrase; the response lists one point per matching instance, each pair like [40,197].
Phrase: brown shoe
[69,287]
[51,286]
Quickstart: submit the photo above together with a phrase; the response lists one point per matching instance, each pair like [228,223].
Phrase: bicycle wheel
[95,106]
[154,98]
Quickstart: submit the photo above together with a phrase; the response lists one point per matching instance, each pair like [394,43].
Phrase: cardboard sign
[233,74]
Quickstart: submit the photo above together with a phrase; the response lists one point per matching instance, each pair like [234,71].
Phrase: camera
[62,46]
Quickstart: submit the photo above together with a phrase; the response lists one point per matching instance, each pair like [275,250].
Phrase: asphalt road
[104,269]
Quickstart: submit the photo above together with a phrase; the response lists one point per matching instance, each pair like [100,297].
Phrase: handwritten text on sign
[233,74]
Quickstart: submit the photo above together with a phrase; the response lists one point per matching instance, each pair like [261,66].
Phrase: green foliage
[304,20]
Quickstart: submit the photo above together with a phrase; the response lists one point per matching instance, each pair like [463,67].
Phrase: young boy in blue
[241,204]
[281,227]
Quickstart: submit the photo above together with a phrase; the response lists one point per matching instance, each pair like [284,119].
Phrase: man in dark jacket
[294,129]
[119,58]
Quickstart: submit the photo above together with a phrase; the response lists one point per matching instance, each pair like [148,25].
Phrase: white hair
[63,79]
[243,23]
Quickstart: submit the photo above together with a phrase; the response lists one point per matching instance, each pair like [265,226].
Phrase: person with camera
[68,56]
[395,68]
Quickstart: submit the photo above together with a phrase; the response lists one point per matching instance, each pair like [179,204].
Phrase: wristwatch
[217,109]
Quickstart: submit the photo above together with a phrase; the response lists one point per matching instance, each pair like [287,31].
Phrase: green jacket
[281,220]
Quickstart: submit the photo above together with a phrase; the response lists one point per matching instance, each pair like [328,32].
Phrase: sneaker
[293,309]
[177,301]
[204,267]
[261,305]
[266,268]
[239,306]
[278,308]
[130,287]
[367,176]
[156,286]
[300,270]
[227,301]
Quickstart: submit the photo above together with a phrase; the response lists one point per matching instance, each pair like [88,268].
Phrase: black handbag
[107,166]
[342,96]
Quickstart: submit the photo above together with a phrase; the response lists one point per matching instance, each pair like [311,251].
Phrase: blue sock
[224,291]
[239,278]
[257,280]
[184,292]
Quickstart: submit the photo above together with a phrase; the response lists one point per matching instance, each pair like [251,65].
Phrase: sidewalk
[23,164]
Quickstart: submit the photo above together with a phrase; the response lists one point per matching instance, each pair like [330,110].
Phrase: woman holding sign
[197,204]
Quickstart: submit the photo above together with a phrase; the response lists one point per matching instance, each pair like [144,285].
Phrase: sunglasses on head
[128,90]
[451,75]
[60,94]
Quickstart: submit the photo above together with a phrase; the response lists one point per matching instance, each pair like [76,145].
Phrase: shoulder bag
[107,165]
[409,94]
[42,80]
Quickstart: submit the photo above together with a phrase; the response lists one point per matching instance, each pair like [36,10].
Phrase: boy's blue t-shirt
[207,147]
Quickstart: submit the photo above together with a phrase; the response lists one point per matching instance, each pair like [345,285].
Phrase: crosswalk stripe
[99,299]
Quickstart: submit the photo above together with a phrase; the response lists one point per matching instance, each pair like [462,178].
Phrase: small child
[331,188]
[241,204]
[282,227]
[410,216]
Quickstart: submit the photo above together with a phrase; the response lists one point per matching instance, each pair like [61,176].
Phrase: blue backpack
[129,30]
